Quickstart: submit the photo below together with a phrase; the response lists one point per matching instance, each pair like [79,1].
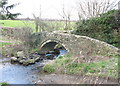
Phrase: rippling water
[18,74]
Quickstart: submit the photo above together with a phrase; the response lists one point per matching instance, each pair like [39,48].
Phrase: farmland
[52,25]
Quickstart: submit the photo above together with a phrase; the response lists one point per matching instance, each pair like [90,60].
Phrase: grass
[52,25]
[17,23]
[49,68]
[106,68]
[4,38]
[3,84]
[2,44]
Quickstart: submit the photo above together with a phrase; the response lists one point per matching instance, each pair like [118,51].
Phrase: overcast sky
[49,8]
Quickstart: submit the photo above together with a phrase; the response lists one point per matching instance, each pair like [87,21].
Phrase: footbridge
[74,44]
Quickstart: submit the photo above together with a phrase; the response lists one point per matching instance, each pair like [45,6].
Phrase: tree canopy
[5,10]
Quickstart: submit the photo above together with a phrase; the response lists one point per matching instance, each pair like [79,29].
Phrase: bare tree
[119,5]
[93,8]
[40,24]
[67,17]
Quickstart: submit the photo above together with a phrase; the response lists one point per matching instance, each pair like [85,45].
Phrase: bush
[105,28]
[21,34]
[35,40]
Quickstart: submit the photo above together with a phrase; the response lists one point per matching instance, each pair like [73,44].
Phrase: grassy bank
[105,68]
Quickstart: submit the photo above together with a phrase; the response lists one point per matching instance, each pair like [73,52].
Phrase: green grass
[3,84]
[17,23]
[2,44]
[49,68]
[52,25]
[106,68]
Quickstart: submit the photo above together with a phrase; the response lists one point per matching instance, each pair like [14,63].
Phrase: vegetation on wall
[105,28]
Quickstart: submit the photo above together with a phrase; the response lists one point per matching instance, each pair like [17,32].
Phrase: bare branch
[93,8]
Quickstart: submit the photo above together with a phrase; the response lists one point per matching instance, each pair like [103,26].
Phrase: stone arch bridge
[75,44]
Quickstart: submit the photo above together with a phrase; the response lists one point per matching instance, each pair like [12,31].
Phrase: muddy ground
[72,79]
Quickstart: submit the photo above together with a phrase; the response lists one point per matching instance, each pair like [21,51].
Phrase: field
[51,25]
[17,23]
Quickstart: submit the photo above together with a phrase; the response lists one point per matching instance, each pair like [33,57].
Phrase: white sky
[49,8]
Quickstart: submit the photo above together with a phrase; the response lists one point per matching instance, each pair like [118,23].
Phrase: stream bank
[19,74]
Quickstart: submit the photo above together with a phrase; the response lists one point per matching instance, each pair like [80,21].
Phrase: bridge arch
[51,44]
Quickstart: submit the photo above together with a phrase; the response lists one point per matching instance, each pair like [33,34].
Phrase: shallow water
[19,74]
[16,73]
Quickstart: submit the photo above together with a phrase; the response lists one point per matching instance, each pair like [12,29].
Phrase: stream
[19,74]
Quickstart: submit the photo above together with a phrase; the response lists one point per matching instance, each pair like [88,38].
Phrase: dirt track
[72,79]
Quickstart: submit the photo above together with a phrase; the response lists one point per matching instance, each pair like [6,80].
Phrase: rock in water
[27,62]
[20,54]
[14,59]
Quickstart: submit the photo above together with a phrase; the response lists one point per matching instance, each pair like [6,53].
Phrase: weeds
[107,68]
[48,68]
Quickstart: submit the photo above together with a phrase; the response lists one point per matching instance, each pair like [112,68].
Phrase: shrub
[35,40]
[3,84]
[21,34]
[105,28]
